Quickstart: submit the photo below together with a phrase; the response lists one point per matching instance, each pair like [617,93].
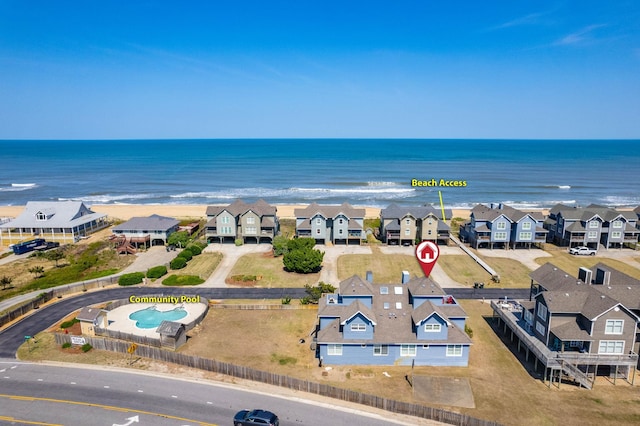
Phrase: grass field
[272,271]
[386,268]
[463,269]
[202,265]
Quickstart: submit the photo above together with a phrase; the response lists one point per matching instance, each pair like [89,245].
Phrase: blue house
[411,323]
[499,225]
[341,224]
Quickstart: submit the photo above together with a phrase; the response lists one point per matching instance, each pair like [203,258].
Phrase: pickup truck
[583,250]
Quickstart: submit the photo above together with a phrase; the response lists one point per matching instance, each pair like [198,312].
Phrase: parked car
[583,250]
[255,417]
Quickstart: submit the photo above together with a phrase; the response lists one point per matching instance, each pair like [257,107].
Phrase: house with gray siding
[252,222]
[592,226]
[408,225]
[148,231]
[343,224]
[61,221]
[499,225]
[410,323]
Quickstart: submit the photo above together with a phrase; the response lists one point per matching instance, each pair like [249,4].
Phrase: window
[41,216]
[430,221]
[251,220]
[500,235]
[340,221]
[432,328]
[542,311]
[380,350]
[408,221]
[318,221]
[616,234]
[617,224]
[611,347]
[339,231]
[526,226]
[318,231]
[454,350]
[592,234]
[540,328]
[224,219]
[407,231]
[225,230]
[334,349]
[525,235]
[386,305]
[250,230]
[429,232]
[384,290]
[407,350]
[614,327]
[501,225]
[358,327]
[397,290]
[398,305]
[593,224]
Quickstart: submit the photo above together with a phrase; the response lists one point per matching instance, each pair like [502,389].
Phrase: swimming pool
[151,317]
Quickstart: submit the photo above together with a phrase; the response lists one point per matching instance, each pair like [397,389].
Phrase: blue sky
[319,69]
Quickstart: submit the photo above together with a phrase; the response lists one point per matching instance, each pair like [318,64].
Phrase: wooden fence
[247,373]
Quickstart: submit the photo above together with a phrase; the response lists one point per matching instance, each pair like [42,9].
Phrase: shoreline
[184,211]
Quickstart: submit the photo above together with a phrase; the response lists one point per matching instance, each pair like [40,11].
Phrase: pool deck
[119,317]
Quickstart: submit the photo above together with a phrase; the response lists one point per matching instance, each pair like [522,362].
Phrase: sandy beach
[183,211]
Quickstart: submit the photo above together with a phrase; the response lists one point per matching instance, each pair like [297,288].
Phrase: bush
[131,279]
[180,280]
[69,323]
[178,263]
[66,345]
[316,292]
[194,249]
[303,261]
[186,254]
[468,330]
[86,347]
[157,271]
[238,242]
[286,300]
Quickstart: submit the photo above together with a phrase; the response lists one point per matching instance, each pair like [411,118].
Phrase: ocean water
[521,173]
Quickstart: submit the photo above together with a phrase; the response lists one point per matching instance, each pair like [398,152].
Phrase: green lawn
[463,269]
[272,271]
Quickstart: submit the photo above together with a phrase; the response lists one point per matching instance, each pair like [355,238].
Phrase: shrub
[316,292]
[468,330]
[86,347]
[286,300]
[131,279]
[304,261]
[157,271]
[180,280]
[66,345]
[178,263]
[186,254]
[238,242]
[69,323]
[194,249]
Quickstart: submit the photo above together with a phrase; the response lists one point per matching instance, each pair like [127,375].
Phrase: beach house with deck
[592,226]
[147,231]
[499,225]
[408,225]
[252,222]
[413,322]
[341,224]
[59,221]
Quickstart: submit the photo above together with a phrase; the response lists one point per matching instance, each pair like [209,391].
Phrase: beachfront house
[409,225]
[411,323]
[341,224]
[499,225]
[147,231]
[59,221]
[251,222]
[592,226]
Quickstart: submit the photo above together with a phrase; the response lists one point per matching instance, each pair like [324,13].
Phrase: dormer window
[593,224]
[384,290]
[41,216]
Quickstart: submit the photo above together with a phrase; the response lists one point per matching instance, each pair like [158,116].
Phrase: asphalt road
[48,394]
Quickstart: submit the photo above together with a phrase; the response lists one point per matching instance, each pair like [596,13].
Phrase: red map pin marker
[427,254]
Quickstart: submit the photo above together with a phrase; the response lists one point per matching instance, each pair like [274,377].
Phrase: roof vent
[602,296]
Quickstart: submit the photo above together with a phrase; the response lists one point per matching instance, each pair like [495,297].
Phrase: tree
[55,255]
[37,271]
[5,281]
[300,243]
[280,245]
[316,292]
[303,261]
[179,239]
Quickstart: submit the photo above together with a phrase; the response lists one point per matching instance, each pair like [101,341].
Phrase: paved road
[98,395]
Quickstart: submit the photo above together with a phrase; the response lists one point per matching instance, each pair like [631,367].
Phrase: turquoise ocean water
[522,173]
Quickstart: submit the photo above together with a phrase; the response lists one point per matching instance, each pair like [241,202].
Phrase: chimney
[603,277]
[585,275]
[405,277]
[370,276]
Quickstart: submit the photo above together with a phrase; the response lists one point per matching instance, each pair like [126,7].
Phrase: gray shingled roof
[418,212]
[59,214]
[355,285]
[169,328]
[89,314]
[239,207]
[151,223]
[330,211]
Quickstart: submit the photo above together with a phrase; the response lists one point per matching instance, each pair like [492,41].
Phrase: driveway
[525,256]
[329,272]
[230,255]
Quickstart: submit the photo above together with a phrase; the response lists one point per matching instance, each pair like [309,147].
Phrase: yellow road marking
[26,422]
[105,407]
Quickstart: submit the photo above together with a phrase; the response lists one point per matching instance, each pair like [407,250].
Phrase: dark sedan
[255,417]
